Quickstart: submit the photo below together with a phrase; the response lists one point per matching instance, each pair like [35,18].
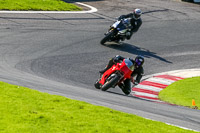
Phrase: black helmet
[137,13]
[139,60]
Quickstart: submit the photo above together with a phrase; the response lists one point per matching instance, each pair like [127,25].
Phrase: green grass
[25,110]
[182,92]
[37,5]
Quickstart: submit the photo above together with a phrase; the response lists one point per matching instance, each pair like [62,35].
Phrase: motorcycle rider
[135,21]
[139,71]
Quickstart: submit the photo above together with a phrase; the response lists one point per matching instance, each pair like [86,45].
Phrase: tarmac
[151,85]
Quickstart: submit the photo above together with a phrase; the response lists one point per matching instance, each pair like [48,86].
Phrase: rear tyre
[106,38]
[108,84]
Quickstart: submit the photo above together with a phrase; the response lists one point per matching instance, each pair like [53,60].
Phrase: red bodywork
[121,68]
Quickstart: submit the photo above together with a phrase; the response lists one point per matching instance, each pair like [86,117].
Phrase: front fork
[120,80]
[111,30]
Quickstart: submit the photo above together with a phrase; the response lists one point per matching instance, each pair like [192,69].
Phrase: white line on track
[92,9]
[174,125]
[145,94]
[182,127]
[160,80]
[146,87]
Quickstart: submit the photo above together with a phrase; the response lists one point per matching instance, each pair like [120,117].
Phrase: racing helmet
[137,13]
[139,61]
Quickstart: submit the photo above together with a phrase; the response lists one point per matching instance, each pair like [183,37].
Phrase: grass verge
[37,5]
[183,92]
[25,110]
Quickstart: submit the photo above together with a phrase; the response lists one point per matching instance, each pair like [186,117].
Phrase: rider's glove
[136,83]
[115,60]
[120,17]
[132,79]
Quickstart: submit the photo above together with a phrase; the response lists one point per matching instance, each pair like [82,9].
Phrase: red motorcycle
[115,75]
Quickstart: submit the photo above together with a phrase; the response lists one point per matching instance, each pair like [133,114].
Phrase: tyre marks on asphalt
[150,88]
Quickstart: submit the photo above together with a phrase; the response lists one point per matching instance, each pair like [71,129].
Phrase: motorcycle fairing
[124,69]
[108,73]
[116,24]
[121,26]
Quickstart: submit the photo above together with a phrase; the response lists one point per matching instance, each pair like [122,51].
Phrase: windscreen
[129,64]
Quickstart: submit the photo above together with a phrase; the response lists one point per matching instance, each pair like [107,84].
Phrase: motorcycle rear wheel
[108,84]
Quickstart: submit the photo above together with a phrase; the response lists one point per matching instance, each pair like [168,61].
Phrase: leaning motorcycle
[117,31]
[115,75]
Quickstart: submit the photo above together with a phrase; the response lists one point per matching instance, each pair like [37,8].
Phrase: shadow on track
[136,51]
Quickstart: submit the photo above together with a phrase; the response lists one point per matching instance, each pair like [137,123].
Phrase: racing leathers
[135,24]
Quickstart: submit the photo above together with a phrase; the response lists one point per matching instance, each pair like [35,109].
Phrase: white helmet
[137,13]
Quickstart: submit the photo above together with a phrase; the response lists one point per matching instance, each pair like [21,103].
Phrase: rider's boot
[123,38]
[110,64]
[103,71]
[117,39]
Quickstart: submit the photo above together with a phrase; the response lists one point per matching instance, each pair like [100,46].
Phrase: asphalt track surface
[61,54]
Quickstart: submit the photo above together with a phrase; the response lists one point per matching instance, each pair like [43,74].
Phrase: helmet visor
[137,15]
[138,62]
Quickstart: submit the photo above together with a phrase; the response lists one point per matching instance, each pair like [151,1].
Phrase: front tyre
[97,84]
[109,83]
[107,37]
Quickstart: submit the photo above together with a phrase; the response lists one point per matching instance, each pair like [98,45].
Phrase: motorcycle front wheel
[112,81]
[107,37]
[97,84]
